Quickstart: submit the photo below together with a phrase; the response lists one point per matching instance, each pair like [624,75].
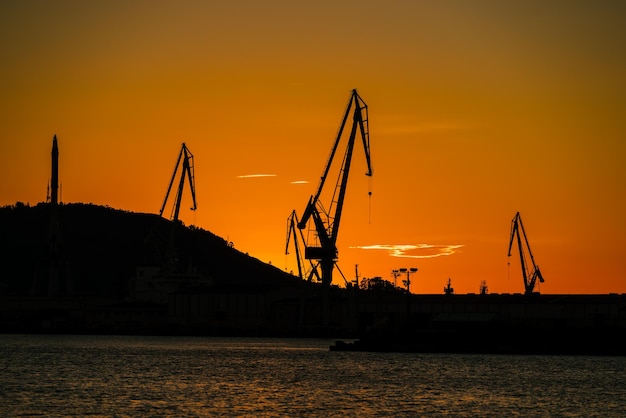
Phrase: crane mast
[325,223]
[531,273]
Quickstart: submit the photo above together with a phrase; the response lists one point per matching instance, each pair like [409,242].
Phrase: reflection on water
[178,377]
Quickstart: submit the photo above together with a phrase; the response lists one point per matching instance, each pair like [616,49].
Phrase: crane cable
[508,268]
[369,197]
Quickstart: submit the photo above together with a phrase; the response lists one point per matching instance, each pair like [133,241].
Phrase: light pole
[408,272]
[407,283]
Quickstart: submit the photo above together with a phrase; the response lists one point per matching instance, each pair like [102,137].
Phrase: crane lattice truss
[326,222]
[530,271]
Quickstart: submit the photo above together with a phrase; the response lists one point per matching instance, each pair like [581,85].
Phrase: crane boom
[327,228]
[187,172]
[530,275]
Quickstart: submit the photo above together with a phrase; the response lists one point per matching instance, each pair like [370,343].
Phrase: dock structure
[499,323]
[475,323]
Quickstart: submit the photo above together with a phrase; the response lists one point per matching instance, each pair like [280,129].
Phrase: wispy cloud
[415,250]
[300,182]
[249,176]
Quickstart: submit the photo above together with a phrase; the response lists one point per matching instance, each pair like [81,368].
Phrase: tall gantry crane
[530,273]
[185,161]
[326,223]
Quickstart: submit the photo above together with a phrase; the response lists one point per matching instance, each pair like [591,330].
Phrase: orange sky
[478,110]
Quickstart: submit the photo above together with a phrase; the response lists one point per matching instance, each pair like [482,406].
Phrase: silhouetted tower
[54,177]
[52,274]
[448,289]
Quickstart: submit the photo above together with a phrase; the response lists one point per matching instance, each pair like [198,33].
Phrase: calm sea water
[118,376]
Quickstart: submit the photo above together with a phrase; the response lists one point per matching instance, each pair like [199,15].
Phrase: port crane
[530,273]
[326,223]
[185,162]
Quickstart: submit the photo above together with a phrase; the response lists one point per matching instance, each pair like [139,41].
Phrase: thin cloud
[250,176]
[300,182]
[415,250]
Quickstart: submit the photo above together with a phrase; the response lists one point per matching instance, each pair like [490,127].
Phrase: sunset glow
[477,110]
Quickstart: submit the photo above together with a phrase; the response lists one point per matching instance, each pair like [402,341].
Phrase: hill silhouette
[103,247]
[132,273]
